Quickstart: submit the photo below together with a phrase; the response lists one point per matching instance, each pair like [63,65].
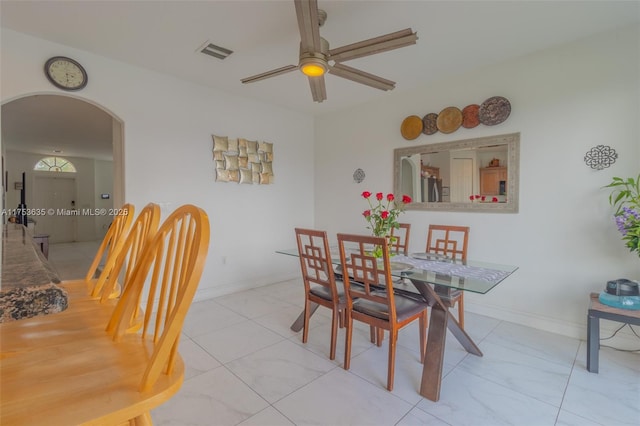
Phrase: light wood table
[64,369]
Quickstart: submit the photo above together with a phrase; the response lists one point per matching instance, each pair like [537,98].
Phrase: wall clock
[65,73]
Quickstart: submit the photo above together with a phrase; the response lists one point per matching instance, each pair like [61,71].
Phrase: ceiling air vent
[215,51]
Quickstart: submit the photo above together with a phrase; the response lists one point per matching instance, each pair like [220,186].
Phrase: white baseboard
[222,290]
[577,331]
[625,339]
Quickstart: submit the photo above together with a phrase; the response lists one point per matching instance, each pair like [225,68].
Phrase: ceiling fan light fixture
[313,70]
[312,65]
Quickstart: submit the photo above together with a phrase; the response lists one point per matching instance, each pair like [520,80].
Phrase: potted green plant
[625,198]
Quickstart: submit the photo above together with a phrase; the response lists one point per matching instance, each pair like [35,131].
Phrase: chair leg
[305,327]
[380,337]
[461,310]
[334,334]
[373,333]
[347,342]
[392,358]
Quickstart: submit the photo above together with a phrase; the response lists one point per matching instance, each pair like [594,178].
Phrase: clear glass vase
[377,250]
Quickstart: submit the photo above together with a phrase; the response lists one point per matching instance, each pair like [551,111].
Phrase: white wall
[167,143]
[564,102]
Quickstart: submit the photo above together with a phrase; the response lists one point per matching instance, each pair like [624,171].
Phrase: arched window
[55,164]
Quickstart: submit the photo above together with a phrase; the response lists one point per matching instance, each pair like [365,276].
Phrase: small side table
[43,240]
[598,310]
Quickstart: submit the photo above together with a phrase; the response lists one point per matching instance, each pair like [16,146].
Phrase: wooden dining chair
[400,239]
[117,231]
[165,278]
[108,249]
[118,269]
[450,241]
[319,281]
[373,301]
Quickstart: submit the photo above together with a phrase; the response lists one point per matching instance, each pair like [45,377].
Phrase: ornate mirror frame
[510,205]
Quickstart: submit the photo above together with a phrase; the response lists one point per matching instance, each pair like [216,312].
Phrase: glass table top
[473,276]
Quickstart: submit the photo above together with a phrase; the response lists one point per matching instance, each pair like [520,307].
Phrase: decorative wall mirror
[471,175]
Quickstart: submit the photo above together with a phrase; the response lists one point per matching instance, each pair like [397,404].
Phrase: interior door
[56,196]
[461,179]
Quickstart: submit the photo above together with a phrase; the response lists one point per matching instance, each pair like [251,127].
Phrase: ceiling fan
[316,58]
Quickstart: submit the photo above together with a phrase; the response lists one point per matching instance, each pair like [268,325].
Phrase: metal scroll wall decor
[358,176]
[243,161]
[600,157]
[492,111]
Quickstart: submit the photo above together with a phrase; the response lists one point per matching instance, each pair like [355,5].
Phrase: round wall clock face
[65,73]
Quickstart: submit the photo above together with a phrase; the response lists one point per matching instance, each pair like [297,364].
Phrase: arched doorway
[40,125]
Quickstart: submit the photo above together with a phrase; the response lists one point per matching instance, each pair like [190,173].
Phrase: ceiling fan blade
[374,45]
[308,24]
[318,89]
[362,77]
[269,74]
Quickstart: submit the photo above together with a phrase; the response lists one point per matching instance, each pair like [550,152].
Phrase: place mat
[435,257]
[492,276]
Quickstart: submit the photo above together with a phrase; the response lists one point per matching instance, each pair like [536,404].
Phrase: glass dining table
[435,279]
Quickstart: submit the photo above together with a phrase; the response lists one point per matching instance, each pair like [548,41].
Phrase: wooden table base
[440,321]
[299,322]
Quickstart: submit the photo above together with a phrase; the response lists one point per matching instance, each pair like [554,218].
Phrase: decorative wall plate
[429,123]
[411,127]
[494,111]
[358,175]
[449,119]
[470,117]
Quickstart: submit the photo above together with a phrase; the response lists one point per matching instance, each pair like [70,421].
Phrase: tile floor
[244,366]
[72,260]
